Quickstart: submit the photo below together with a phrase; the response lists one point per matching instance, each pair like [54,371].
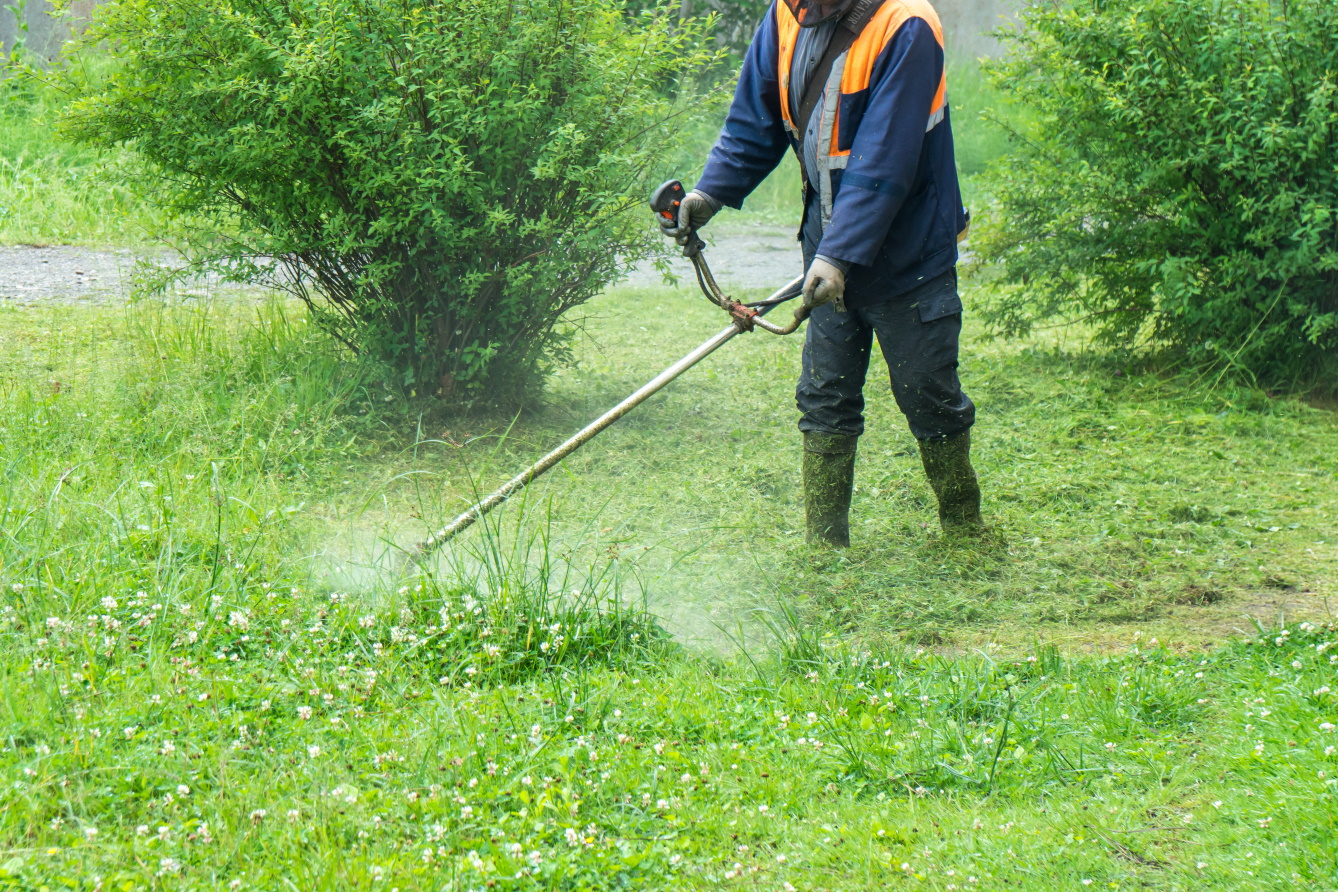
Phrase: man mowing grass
[858,89]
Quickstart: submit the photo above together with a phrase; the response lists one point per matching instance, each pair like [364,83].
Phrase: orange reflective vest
[886,193]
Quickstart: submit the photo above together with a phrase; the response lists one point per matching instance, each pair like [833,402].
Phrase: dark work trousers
[918,333]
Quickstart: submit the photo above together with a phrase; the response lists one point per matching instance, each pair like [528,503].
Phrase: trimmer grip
[666,201]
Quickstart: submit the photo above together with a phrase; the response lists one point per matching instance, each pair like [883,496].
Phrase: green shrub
[439,182]
[1179,184]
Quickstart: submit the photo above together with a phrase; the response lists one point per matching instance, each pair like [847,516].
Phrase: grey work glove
[825,284]
[695,211]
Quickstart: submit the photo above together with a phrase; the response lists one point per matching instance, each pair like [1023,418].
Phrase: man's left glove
[694,212]
[825,284]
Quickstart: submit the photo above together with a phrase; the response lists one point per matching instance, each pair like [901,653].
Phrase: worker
[857,88]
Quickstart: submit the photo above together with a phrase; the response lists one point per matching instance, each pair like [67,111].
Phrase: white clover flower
[304,712]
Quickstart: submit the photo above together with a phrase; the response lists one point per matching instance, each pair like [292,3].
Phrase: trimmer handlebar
[665,202]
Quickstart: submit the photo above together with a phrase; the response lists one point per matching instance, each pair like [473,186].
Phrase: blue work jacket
[887,193]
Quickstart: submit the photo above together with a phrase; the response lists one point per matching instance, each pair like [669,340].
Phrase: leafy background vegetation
[439,184]
[52,192]
[1176,185]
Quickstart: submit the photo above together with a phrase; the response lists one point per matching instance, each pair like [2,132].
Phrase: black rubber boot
[948,466]
[829,477]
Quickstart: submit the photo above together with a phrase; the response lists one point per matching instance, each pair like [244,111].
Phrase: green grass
[201,690]
[55,193]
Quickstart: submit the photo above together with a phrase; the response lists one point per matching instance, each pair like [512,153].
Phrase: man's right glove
[694,212]
[825,284]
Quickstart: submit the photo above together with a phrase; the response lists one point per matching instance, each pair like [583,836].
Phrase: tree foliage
[734,21]
[1179,183]
[440,182]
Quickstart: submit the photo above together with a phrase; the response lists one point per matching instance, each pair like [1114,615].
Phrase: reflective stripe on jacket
[887,188]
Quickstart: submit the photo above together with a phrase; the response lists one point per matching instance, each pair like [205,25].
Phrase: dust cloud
[709,599]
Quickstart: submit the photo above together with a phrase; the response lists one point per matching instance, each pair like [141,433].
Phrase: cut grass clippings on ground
[189,705]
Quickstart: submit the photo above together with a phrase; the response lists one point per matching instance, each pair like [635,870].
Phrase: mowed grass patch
[1122,498]
[188,705]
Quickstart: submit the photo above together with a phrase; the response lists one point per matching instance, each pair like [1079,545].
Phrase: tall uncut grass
[54,193]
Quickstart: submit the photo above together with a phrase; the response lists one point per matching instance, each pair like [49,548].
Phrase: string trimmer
[744,317]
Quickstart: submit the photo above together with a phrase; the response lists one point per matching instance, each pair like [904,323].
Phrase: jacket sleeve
[753,140]
[885,154]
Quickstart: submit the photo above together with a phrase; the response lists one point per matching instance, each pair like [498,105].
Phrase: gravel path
[761,257]
[73,275]
[740,256]
[64,274]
